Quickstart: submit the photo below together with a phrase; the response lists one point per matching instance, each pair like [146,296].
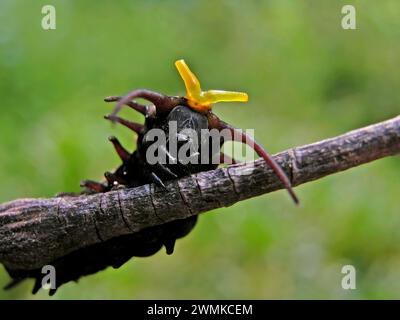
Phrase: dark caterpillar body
[133,172]
[191,112]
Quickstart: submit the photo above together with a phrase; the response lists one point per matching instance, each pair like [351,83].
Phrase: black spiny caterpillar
[190,112]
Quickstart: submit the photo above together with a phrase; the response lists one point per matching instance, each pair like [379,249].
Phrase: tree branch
[34,232]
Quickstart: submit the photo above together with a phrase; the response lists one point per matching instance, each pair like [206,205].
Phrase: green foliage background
[307,78]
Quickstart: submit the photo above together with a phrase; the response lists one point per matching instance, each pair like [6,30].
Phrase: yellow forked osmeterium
[202,100]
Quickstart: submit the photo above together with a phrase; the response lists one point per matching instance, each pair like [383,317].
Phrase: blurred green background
[307,78]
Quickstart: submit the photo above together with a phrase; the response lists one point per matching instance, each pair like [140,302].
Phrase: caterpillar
[190,113]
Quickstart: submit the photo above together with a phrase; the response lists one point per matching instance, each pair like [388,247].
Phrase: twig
[34,232]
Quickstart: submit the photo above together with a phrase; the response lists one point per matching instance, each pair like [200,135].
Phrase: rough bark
[34,232]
